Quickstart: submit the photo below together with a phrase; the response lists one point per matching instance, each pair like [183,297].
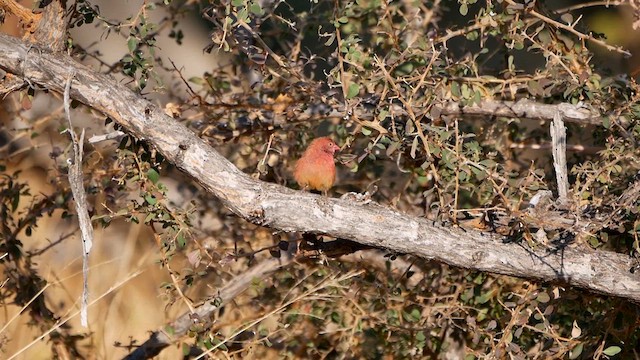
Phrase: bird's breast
[315,172]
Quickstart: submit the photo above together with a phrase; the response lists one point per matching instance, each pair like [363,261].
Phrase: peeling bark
[47,29]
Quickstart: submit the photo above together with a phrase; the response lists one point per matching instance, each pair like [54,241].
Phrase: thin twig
[112,135]
[263,162]
[343,80]
[80,198]
[559,140]
[575,32]
[605,3]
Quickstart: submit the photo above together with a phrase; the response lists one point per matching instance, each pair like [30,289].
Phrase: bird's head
[325,145]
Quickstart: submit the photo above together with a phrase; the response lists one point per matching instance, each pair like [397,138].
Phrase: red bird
[316,169]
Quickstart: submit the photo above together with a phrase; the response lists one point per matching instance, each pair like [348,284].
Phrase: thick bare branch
[285,209]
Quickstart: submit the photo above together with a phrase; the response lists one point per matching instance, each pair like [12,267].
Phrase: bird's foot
[361,199]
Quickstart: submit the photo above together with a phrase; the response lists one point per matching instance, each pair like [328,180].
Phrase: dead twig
[80,198]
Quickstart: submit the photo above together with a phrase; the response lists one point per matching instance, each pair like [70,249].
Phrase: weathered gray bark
[285,209]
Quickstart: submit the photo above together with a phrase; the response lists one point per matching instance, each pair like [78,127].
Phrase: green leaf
[535,88]
[15,201]
[508,338]
[477,97]
[150,199]
[612,350]
[576,351]
[335,317]
[488,163]
[466,91]
[169,329]
[256,9]
[182,242]
[464,9]
[197,80]
[567,17]
[132,44]
[543,297]
[354,89]
[413,316]
[243,15]
[153,175]
[405,68]
[149,217]
[455,89]
[482,299]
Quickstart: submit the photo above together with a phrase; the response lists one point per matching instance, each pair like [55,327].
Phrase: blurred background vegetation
[259,80]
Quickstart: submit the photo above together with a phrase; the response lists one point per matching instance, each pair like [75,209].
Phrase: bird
[316,170]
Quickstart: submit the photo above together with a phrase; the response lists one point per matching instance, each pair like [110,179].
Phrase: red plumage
[316,169]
